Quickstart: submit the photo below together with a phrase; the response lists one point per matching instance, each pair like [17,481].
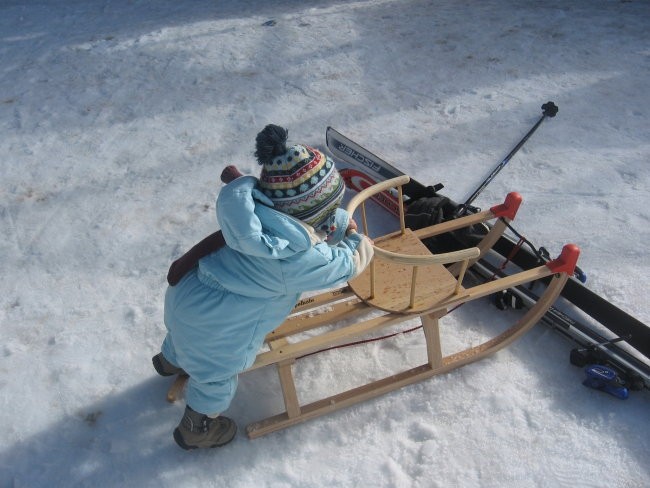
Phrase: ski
[367,169]
[373,167]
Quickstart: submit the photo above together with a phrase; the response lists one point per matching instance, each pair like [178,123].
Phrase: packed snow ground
[117,118]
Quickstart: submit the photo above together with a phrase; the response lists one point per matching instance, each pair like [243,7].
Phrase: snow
[117,118]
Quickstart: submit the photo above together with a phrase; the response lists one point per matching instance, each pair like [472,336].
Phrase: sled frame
[362,296]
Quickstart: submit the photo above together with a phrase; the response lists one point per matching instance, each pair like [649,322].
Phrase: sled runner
[404,281]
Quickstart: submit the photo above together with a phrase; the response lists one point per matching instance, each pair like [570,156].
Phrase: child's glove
[339,225]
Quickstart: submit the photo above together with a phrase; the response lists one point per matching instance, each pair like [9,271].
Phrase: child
[284,235]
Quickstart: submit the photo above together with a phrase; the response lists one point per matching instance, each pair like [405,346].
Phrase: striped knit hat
[300,180]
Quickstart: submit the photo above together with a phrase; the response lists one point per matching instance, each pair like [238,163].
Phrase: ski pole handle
[549,109]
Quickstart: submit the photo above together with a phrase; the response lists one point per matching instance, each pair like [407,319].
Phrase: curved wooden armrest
[443,258]
[363,195]
[408,259]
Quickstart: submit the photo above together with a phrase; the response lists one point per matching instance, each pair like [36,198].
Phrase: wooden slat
[304,322]
[288,386]
[484,245]
[307,303]
[455,224]
[491,237]
[431,328]
[490,287]
[313,344]
[177,387]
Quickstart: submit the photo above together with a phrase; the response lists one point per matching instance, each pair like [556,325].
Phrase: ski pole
[593,347]
[549,109]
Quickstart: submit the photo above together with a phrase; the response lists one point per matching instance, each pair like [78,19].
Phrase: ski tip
[509,208]
[567,260]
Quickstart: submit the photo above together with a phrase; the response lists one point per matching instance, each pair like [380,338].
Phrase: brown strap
[190,259]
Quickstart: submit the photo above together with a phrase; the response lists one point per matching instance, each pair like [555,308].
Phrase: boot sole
[183,445]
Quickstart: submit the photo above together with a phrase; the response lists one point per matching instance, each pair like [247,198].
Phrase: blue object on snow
[580,275]
[605,379]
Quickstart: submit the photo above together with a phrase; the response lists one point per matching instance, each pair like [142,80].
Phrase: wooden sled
[403,281]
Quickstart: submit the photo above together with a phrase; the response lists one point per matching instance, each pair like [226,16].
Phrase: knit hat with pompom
[300,180]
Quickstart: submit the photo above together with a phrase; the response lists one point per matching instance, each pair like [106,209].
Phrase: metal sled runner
[404,281]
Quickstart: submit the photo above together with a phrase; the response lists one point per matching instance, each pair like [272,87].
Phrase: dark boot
[164,367]
[198,430]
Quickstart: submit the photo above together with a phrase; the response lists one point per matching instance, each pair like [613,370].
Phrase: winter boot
[164,367]
[199,430]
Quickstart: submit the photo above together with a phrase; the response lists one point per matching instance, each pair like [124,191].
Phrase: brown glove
[210,244]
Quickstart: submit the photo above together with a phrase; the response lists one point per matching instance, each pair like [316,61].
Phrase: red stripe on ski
[358,181]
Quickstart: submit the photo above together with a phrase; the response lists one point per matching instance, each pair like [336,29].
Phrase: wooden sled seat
[404,281]
[406,288]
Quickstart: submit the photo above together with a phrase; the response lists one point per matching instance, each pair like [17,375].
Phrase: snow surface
[117,117]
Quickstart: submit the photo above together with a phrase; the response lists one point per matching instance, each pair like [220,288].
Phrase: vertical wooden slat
[400,199]
[291,403]
[414,277]
[177,387]
[461,275]
[430,326]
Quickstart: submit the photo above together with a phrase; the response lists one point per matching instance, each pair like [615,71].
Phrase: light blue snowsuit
[219,313]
